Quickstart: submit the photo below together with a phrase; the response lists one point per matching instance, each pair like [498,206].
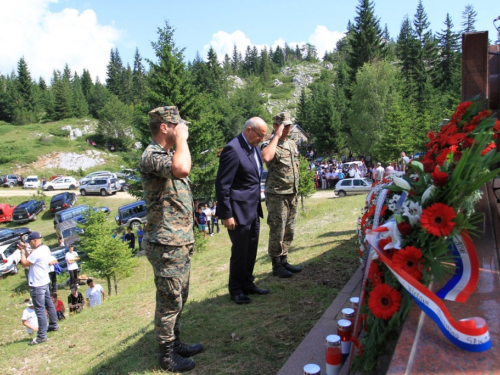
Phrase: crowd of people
[44,308]
[129,237]
[330,171]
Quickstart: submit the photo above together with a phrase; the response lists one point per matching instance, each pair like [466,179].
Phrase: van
[69,231]
[76,213]
[131,215]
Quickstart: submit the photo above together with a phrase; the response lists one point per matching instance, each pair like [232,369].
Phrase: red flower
[460,111]
[383,242]
[439,178]
[496,127]
[404,228]
[437,219]
[409,259]
[442,156]
[468,142]
[488,148]
[456,139]
[374,274]
[384,301]
[428,164]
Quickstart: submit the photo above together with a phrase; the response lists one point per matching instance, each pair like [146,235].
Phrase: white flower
[389,229]
[412,210]
[427,194]
[403,184]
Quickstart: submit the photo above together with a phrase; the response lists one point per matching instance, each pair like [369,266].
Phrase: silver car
[102,186]
[351,186]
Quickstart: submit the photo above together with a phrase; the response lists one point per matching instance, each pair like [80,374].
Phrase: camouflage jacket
[283,170]
[168,199]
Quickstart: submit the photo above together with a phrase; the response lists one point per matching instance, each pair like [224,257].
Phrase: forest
[376,94]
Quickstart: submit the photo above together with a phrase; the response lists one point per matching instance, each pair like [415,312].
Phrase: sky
[81,33]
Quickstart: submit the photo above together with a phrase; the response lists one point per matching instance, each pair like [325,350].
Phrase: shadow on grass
[340,233]
[248,339]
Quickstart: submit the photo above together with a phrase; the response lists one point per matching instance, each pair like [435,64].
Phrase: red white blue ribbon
[464,281]
[470,334]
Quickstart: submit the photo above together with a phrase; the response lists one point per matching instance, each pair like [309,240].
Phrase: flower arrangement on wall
[415,228]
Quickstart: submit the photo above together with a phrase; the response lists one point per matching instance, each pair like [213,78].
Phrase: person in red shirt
[59,305]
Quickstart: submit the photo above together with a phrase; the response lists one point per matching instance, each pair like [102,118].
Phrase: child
[201,220]
[59,305]
[29,318]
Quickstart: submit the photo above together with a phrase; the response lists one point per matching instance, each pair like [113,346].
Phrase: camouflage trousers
[281,215]
[171,266]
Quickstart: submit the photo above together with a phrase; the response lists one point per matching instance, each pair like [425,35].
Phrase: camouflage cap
[166,114]
[282,118]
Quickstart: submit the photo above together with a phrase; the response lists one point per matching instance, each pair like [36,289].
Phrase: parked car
[262,191]
[69,231]
[350,186]
[8,235]
[76,213]
[10,256]
[32,182]
[27,211]
[6,211]
[62,183]
[59,253]
[61,202]
[131,215]
[97,174]
[102,185]
[11,180]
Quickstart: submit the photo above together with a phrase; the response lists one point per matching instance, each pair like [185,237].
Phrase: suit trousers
[245,240]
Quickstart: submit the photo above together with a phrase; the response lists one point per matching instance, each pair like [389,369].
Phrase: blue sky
[51,33]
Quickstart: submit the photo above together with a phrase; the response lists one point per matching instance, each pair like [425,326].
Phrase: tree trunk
[116,284]
[108,279]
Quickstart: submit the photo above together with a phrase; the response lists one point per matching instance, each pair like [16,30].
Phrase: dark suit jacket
[238,183]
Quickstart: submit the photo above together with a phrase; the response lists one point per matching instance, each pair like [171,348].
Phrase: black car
[11,235]
[62,201]
[27,211]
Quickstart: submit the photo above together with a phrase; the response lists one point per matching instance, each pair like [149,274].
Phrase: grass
[118,338]
[24,144]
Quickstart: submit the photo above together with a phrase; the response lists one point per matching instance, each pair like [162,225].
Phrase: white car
[32,182]
[63,182]
[262,191]
[94,175]
[350,186]
[10,256]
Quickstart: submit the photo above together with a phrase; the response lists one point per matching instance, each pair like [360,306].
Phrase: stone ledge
[312,348]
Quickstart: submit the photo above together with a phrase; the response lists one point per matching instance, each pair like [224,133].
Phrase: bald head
[254,130]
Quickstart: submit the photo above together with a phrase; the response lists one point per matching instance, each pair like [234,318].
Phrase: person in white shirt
[208,212]
[38,281]
[215,219]
[379,172]
[389,170]
[29,319]
[94,293]
[71,261]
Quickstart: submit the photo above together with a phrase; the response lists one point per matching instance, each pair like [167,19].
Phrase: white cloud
[223,42]
[48,40]
[324,39]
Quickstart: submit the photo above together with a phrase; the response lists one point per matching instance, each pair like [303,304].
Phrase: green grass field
[118,338]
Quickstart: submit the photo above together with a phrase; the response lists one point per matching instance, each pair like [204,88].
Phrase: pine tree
[469,19]
[138,79]
[126,95]
[407,52]
[303,111]
[306,181]
[214,73]
[47,101]
[87,84]
[226,65]
[24,108]
[265,66]
[449,68]
[61,83]
[236,60]
[80,106]
[365,38]
[115,69]
[115,123]
[98,98]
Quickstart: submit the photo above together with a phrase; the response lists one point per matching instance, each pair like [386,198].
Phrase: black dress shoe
[240,299]
[256,290]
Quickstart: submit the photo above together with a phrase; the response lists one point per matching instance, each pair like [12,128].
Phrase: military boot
[279,270]
[185,350]
[288,266]
[171,361]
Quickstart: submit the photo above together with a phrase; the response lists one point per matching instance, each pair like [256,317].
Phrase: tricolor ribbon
[469,334]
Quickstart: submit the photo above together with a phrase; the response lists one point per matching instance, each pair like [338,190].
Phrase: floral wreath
[415,228]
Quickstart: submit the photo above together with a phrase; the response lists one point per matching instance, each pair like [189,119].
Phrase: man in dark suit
[238,196]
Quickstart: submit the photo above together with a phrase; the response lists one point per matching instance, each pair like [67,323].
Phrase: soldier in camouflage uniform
[282,185]
[168,235]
